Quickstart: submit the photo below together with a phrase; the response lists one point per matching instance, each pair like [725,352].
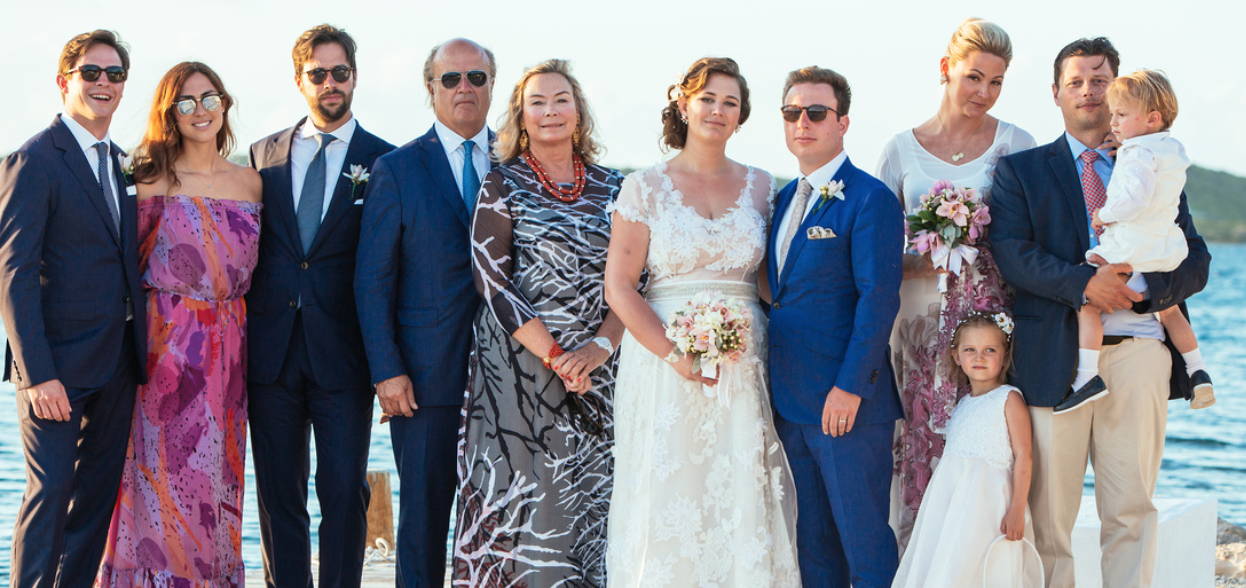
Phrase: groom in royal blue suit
[413,285]
[834,273]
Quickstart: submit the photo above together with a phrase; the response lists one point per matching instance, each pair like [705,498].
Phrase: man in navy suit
[834,270]
[1040,234]
[413,285]
[72,308]
[307,363]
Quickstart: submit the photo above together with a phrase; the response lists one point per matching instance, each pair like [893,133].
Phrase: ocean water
[1205,455]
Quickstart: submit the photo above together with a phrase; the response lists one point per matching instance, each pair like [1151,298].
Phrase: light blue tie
[471,181]
[311,197]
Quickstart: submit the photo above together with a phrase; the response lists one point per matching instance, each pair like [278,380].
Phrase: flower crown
[1001,320]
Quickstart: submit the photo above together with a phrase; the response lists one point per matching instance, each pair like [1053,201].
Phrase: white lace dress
[954,538]
[702,491]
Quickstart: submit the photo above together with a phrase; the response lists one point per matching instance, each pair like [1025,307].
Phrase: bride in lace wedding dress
[703,495]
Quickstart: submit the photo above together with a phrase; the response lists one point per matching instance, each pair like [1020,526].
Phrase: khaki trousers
[1122,434]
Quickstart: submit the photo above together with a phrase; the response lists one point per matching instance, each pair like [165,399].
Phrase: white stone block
[1185,556]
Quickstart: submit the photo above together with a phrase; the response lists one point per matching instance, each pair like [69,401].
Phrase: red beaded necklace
[566,195]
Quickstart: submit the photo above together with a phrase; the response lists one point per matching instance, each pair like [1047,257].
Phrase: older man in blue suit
[1040,234]
[72,307]
[307,369]
[413,285]
[834,270]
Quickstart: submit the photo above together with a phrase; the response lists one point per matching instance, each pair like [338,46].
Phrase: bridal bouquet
[713,330]
[947,225]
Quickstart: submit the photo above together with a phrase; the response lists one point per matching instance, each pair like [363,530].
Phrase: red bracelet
[554,351]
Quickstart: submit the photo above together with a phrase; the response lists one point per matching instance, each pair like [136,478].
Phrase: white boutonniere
[127,168]
[358,176]
[833,189]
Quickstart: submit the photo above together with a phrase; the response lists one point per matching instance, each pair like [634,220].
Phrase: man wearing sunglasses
[70,277]
[834,270]
[413,285]
[306,363]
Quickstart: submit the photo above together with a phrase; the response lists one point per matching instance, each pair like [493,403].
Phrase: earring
[683,118]
[942,78]
[523,140]
[575,139]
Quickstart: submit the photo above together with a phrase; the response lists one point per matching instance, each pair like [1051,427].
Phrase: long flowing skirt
[703,493]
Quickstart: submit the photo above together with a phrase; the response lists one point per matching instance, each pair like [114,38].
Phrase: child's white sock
[1193,361]
[1087,367]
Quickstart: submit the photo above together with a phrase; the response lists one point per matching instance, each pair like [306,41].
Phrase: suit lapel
[814,217]
[1060,158]
[783,201]
[277,158]
[76,162]
[127,204]
[438,167]
[358,152]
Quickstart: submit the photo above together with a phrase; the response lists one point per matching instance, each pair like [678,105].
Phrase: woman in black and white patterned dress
[535,465]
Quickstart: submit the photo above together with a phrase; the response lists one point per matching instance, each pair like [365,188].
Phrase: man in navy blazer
[834,270]
[1040,233]
[73,310]
[413,285]
[306,359]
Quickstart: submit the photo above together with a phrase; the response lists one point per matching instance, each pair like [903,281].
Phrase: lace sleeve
[635,200]
[493,256]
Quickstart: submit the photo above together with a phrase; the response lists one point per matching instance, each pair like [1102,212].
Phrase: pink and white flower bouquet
[948,225]
[713,330]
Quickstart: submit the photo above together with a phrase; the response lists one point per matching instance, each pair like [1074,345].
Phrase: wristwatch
[604,343]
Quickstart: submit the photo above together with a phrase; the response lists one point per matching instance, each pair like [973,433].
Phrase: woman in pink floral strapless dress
[178,517]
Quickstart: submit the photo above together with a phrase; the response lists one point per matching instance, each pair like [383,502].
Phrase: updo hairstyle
[674,129]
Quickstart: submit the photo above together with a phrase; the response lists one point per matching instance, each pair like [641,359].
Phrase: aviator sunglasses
[341,73]
[186,106]
[451,79]
[90,73]
[817,112]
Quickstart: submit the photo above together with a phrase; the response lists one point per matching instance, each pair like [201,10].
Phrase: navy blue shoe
[1089,392]
[1204,396]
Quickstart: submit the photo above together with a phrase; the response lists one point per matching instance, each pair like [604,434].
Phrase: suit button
[125,299]
[776,304]
[304,265]
[294,304]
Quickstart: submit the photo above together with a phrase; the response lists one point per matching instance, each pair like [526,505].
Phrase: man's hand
[1107,292]
[839,412]
[49,401]
[397,397]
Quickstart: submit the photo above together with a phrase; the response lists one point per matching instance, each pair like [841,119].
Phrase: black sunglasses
[186,106]
[341,73]
[90,73]
[816,112]
[451,79]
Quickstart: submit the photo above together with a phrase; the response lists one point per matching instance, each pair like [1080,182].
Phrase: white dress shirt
[87,141]
[303,150]
[453,144]
[820,177]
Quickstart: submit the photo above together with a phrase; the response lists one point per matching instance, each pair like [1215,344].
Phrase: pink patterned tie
[1092,187]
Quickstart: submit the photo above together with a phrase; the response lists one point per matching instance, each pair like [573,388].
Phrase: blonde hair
[1149,89]
[975,34]
[512,139]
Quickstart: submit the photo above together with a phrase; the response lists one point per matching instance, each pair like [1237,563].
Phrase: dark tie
[471,181]
[797,208]
[106,184]
[311,199]
[1092,186]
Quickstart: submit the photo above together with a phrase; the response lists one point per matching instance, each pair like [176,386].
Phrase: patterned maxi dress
[922,334]
[178,515]
[535,469]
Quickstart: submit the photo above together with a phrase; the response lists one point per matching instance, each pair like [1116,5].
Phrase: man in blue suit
[1040,233]
[413,285]
[834,270]
[307,367]
[73,310]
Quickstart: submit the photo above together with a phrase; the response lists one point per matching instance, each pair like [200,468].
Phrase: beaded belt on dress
[690,288]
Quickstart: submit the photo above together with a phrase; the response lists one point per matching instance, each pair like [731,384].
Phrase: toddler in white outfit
[1138,224]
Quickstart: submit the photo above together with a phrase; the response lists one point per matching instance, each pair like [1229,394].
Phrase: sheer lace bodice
[978,429]
[683,244]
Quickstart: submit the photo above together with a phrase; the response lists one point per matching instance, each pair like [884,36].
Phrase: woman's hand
[1013,526]
[574,367]
[919,266]
[683,367]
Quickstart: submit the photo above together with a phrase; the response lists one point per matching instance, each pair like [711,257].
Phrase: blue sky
[625,55]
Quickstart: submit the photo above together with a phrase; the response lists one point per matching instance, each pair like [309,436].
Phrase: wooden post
[380,511]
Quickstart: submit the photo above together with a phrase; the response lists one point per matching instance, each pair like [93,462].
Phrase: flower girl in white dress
[973,527]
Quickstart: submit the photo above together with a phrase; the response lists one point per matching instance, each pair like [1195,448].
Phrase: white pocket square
[359,202]
[131,190]
[819,233]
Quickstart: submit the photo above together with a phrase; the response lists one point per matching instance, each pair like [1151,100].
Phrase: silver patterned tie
[797,208]
[311,198]
[106,184]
